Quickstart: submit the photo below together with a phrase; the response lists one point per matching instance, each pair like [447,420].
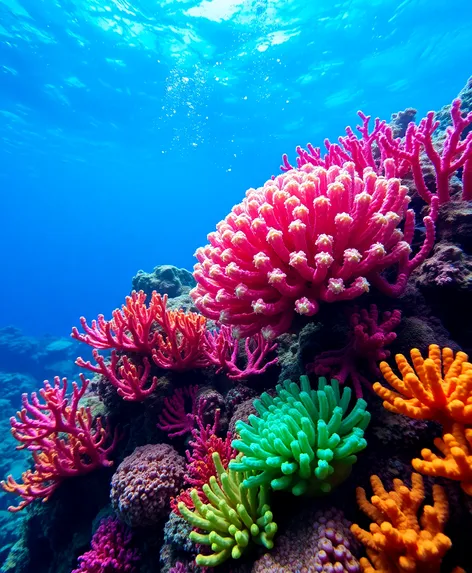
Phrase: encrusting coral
[303,439]
[456,460]
[144,482]
[233,517]
[398,541]
[318,542]
[435,388]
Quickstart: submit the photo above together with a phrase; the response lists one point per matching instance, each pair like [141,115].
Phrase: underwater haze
[129,128]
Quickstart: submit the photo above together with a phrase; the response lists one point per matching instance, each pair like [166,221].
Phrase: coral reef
[164,279]
[250,446]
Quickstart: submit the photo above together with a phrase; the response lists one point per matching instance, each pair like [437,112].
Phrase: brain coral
[144,482]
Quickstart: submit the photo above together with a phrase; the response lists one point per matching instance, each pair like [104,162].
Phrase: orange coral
[181,342]
[456,463]
[436,388]
[399,542]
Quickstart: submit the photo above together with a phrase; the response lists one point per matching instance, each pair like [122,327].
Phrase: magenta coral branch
[372,149]
[223,351]
[130,328]
[179,411]
[132,381]
[111,550]
[64,438]
[454,151]
[366,347]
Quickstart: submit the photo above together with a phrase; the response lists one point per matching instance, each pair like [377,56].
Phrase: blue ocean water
[128,128]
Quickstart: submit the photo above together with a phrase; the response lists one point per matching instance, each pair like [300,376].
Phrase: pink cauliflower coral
[144,483]
[309,235]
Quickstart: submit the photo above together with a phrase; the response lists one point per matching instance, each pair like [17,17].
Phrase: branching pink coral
[64,438]
[366,346]
[181,342]
[178,415]
[372,149]
[200,464]
[111,550]
[204,443]
[223,351]
[310,235]
[368,151]
[132,381]
[175,339]
[131,327]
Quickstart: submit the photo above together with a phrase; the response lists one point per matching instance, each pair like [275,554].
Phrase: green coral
[303,439]
[233,518]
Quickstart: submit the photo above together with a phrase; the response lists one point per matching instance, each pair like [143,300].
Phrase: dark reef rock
[444,114]
[400,121]
[445,277]
[53,535]
[177,545]
[448,268]
[165,279]
[417,332]
[241,412]
[454,224]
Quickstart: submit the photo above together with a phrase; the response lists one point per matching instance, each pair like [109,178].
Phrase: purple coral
[110,550]
[179,567]
[144,482]
[367,340]
[320,544]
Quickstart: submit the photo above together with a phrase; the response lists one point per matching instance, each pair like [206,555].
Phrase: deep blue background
[128,129]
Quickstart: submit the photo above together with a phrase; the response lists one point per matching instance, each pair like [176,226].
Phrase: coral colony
[327,230]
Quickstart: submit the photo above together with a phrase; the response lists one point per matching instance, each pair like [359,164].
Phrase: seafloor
[168,407]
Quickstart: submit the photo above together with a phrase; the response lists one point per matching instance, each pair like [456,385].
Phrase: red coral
[174,338]
[200,465]
[64,438]
[131,328]
[131,380]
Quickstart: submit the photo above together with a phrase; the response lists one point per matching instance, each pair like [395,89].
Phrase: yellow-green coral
[232,519]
